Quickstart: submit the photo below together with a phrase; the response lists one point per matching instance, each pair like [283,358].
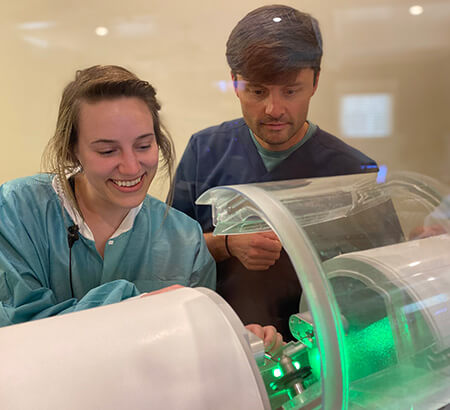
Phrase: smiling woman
[87,233]
[118,154]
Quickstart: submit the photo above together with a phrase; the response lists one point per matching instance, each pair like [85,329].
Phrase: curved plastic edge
[315,287]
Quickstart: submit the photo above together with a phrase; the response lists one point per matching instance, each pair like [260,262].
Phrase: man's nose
[274,106]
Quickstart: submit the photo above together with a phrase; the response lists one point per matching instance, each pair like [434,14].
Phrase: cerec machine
[372,330]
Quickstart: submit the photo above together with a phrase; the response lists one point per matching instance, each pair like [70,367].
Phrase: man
[274,54]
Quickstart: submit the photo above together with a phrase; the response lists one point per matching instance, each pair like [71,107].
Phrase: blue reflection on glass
[381,177]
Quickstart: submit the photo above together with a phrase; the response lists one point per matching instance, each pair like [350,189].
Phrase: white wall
[178,46]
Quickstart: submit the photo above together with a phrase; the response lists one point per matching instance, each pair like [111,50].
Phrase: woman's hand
[163,290]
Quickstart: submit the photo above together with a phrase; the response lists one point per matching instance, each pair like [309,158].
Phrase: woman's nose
[129,164]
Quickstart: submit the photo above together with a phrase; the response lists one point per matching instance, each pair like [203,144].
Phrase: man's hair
[272,42]
[94,84]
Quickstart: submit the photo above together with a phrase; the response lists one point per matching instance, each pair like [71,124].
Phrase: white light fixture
[101,31]
[416,10]
[36,25]
[276,19]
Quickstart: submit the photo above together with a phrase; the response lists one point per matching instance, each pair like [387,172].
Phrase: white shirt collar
[125,226]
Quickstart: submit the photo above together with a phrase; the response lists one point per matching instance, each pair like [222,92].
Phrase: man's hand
[272,339]
[256,251]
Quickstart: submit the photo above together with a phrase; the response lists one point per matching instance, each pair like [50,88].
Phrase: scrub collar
[84,229]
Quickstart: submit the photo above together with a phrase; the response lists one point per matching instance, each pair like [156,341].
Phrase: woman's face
[118,152]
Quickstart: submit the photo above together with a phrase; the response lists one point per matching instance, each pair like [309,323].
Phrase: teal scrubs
[159,249]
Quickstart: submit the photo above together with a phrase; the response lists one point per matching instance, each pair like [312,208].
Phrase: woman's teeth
[127,183]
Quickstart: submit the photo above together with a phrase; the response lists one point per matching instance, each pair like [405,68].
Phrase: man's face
[277,113]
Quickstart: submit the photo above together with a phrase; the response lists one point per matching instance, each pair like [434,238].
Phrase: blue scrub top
[161,249]
[226,155]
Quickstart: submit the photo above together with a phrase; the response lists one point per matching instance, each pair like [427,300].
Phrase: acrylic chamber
[373,260]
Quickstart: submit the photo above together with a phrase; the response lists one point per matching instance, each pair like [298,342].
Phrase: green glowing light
[314,361]
[370,350]
[277,372]
[296,365]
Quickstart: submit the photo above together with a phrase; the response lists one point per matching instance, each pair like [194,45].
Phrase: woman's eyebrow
[108,141]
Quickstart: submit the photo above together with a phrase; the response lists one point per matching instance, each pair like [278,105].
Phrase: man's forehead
[283,79]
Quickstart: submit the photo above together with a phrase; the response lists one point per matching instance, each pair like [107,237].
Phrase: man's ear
[235,81]
[316,82]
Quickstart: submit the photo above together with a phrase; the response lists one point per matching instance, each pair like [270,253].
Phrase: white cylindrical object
[184,349]
[421,268]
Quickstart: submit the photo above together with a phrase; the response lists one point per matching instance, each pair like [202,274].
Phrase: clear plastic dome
[373,259]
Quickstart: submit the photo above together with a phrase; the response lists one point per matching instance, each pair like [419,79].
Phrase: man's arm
[216,246]
[257,251]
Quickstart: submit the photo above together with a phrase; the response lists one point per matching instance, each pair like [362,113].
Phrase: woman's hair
[93,84]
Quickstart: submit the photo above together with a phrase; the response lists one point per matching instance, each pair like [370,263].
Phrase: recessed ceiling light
[36,25]
[276,19]
[101,31]
[416,10]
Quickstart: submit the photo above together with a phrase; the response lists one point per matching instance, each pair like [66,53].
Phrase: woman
[87,234]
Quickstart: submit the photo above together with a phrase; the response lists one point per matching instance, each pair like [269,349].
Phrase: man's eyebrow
[107,141]
[249,83]
[296,84]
